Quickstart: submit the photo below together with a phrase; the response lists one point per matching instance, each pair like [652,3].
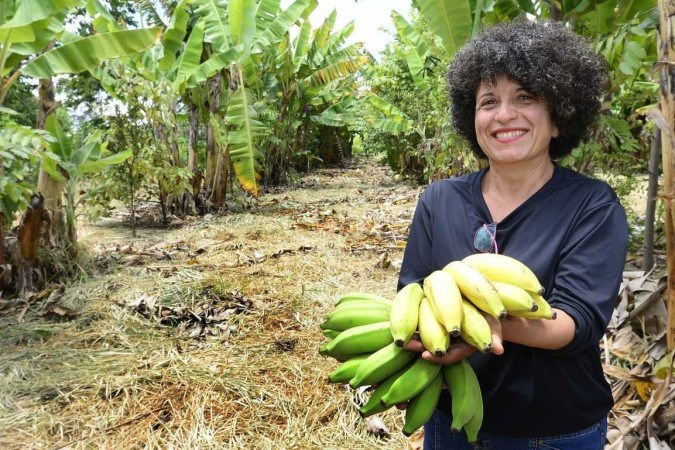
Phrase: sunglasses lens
[484,239]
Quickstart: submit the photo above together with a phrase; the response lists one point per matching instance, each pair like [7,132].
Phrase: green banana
[381,364]
[362,296]
[422,406]
[514,297]
[446,300]
[433,334]
[473,426]
[477,288]
[347,369]
[374,405]
[330,334]
[543,311]
[345,317]
[404,313]
[411,382]
[360,303]
[475,328]
[360,339]
[462,382]
[499,267]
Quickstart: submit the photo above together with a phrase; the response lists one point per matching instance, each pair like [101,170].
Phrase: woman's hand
[457,351]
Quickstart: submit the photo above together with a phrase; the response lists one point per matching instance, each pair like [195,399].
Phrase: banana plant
[236,33]
[70,165]
[29,25]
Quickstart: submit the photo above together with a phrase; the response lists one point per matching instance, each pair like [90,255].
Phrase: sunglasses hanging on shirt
[485,238]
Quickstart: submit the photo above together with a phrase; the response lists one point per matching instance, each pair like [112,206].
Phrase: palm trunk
[667,109]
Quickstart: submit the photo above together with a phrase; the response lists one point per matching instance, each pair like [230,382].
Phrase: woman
[523,95]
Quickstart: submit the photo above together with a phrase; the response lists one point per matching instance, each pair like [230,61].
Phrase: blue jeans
[437,436]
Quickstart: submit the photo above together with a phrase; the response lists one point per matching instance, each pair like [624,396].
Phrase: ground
[206,334]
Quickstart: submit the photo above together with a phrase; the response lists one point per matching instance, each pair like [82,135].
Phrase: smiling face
[512,125]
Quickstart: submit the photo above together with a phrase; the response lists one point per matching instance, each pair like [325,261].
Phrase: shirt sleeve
[416,262]
[589,274]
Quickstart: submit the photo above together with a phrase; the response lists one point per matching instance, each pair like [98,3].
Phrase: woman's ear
[555,132]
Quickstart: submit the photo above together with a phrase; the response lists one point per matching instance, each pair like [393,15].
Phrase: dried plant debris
[206,334]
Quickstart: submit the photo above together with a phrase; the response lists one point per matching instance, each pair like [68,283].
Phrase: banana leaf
[87,53]
[190,57]
[172,40]
[242,22]
[212,65]
[284,21]
[302,44]
[449,19]
[242,139]
[266,13]
[217,27]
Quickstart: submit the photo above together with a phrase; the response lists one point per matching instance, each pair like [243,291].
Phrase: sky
[369,17]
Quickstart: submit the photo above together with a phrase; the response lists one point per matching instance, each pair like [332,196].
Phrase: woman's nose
[505,112]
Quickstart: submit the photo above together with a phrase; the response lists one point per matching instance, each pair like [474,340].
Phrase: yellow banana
[404,313]
[347,369]
[433,334]
[379,365]
[345,317]
[514,297]
[411,382]
[422,406]
[544,310]
[445,298]
[462,382]
[497,267]
[361,339]
[362,296]
[477,288]
[475,328]
[374,405]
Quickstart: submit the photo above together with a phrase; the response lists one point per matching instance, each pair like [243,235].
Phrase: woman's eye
[525,98]
[488,103]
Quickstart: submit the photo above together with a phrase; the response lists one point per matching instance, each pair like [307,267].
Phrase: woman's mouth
[509,135]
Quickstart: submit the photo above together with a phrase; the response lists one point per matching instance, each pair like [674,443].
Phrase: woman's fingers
[496,327]
[458,350]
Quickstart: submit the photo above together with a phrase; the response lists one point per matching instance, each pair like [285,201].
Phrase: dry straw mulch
[206,335]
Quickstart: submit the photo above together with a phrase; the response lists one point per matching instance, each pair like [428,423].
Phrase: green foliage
[69,165]
[19,155]
[22,100]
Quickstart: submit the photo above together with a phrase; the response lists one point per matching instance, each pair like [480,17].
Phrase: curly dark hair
[548,60]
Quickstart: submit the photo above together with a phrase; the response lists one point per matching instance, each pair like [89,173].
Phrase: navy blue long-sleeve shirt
[573,234]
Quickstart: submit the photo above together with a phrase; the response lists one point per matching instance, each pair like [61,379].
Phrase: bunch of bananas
[368,334]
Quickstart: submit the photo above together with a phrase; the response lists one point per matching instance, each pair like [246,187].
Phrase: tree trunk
[650,213]
[192,200]
[667,110]
[50,189]
[215,86]
[29,238]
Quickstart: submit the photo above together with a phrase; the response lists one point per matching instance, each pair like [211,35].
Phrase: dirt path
[206,335]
